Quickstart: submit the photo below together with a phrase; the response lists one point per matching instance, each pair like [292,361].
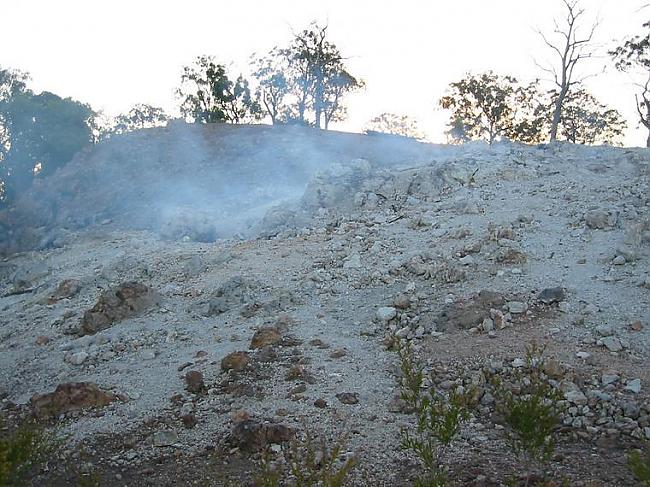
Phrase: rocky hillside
[172,361]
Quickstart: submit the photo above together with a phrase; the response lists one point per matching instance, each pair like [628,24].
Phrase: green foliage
[532,416]
[438,418]
[22,450]
[310,462]
[639,462]
[208,95]
[585,120]
[390,123]
[490,107]
[43,132]
[141,116]
[307,77]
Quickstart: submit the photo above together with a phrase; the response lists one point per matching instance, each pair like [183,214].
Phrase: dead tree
[570,49]
[642,106]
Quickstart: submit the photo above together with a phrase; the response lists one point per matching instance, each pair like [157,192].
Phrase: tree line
[306,83]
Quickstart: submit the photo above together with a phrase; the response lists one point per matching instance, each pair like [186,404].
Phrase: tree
[141,116]
[634,55]
[340,83]
[570,49]
[45,131]
[208,95]
[585,120]
[273,86]
[391,123]
[489,106]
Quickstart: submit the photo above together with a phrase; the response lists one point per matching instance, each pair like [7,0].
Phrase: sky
[114,54]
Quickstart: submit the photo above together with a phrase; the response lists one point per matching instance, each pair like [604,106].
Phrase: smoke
[190,181]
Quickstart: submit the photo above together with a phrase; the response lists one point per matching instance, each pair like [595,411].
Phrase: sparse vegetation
[308,462]
[438,418]
[531,416]
[639,462]
[22,450]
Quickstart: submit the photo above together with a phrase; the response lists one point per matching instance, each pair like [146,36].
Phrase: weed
[531,416]
[438,418]
[25,448]
[639,463]
[308,462]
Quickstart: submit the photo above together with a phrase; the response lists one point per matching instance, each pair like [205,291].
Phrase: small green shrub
[639,462]
[532,416]
[438,418]
[308,462]
[22,450]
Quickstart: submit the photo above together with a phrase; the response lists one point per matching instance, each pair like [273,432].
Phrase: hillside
[218,289]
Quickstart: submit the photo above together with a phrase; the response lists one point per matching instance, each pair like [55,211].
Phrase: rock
[518,363]
[576,397]
[148,355]
[251,435]
[236,361]
[69,396]
[386,313]
[467,260]
[27,276]
[402,301]
[399,405]
[636,326]
[126,300]
[553,369]
[77,358]
[194,381]
[612,344]
[517,307]
[487,325]
[618,260]
[633,385]
[320,403]
[551,295]
[348,397]
[607,379]
[41,340]
[338,353]
[233,293]
[265,337]
[165,438]
[605,330]
[600,219]
[66,289]
[352,262]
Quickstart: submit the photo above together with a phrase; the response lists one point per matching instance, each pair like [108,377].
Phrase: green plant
[310,462]
[22,450]
[438,418]
[639,462]
[531,415]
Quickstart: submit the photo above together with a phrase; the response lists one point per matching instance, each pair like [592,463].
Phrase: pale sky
[114,54]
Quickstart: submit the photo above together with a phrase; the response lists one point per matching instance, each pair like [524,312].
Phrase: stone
[338,353]
[194,382]
[42,340]
[517,307]
[636,326]
[27,276]
[399,405]
[66,289]
[600,219]
[551,295]
[633,385]
[165,438]
[124,301]
[618,260]
[386,313]
[70,396]
[605,330]
[77,358]
[402,301]
[251,435]
[236,361]
[612,344]
[320,403]
[607,379]
[265,337]
[487,325]
[553,369]
[352,262]
[576,397]
[348,397]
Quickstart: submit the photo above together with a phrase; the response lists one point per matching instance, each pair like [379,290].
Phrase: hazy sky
[113,54]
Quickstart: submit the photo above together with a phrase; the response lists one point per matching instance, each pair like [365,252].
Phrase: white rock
[517,307]
[386,313]
[77,358]
[633,385]
[612,344]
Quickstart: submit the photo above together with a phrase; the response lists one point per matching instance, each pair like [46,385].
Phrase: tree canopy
[391,123]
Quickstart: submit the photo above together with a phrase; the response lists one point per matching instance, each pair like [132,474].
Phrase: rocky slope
[197,355]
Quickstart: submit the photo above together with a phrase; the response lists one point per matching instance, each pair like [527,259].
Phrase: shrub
[22,450]
[639,462]
[438,418]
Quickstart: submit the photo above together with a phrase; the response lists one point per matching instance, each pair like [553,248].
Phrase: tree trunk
[557,114]
[647,142]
